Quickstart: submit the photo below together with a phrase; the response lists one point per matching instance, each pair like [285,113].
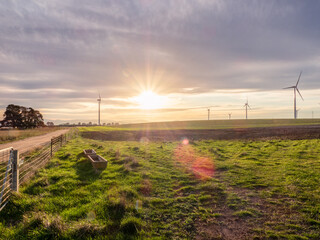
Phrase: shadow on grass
[84,169]
[14,210]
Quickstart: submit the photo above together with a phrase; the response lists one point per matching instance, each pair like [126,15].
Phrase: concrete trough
[88,152]
[97,161]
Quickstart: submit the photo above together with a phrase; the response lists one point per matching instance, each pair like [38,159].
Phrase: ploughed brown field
[281,132]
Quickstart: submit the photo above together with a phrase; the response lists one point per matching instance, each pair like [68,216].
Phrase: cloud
[119,48]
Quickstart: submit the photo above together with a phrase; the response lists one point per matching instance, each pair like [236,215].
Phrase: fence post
[15,171]
[51,148]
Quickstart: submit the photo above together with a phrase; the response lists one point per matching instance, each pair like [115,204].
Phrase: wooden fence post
[51,148]
[15,171]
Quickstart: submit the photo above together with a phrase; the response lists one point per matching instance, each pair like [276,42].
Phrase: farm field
[172,190]
[258,133]
[14,135]
[205,124]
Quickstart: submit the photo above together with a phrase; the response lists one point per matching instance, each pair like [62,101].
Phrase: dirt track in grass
[288,132]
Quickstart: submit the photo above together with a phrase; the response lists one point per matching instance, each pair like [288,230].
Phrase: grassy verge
[154,191]
[14,135]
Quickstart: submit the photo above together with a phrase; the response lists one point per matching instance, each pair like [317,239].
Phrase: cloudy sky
[56,56]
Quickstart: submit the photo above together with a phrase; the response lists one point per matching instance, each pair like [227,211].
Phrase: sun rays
[150,100]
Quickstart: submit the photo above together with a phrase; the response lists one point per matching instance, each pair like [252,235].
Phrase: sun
[150,100]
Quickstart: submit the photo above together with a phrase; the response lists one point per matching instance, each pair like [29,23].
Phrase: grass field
[200,190]
[212,124]
[13,135]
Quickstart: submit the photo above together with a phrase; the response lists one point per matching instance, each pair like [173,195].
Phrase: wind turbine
[229,115]
[295,88]
[208,109]
[246,105]
[99,102]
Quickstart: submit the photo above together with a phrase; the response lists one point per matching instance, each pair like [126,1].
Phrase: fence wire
[5,175]
[32,162]
[28,165]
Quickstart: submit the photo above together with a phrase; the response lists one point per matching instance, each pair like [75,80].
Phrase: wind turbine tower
[99,102]
[295,89]
[229,115]
[208,113]
[246,105]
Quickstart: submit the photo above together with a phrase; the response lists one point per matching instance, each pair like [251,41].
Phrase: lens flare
[144,140]
[201,167]
[185,141]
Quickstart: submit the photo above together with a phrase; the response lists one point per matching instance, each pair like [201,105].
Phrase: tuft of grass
[244,213]
[131,225]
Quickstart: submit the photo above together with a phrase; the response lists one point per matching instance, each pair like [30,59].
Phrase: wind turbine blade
[288,87]
[300,94]
[249,106]
[298,79]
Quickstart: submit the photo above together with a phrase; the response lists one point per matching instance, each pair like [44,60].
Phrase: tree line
[21,117]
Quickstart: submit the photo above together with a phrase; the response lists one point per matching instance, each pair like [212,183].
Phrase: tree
[50,124]
[12,116]
[21,117]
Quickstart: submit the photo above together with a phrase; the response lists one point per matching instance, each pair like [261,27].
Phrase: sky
[57,56]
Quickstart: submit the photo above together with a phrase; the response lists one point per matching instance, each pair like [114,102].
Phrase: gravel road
[29,144]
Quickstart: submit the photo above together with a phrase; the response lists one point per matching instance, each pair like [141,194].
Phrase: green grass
[212,124]
[14,135]
[267,189]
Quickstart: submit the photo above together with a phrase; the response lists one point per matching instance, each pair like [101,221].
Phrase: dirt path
[31,143]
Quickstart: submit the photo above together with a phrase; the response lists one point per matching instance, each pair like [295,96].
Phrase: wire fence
[15,171]
[5,175]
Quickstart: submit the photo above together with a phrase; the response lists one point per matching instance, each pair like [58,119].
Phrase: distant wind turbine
[246,105]
[229,115]
[208,109]
[295,88]
[99,102]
